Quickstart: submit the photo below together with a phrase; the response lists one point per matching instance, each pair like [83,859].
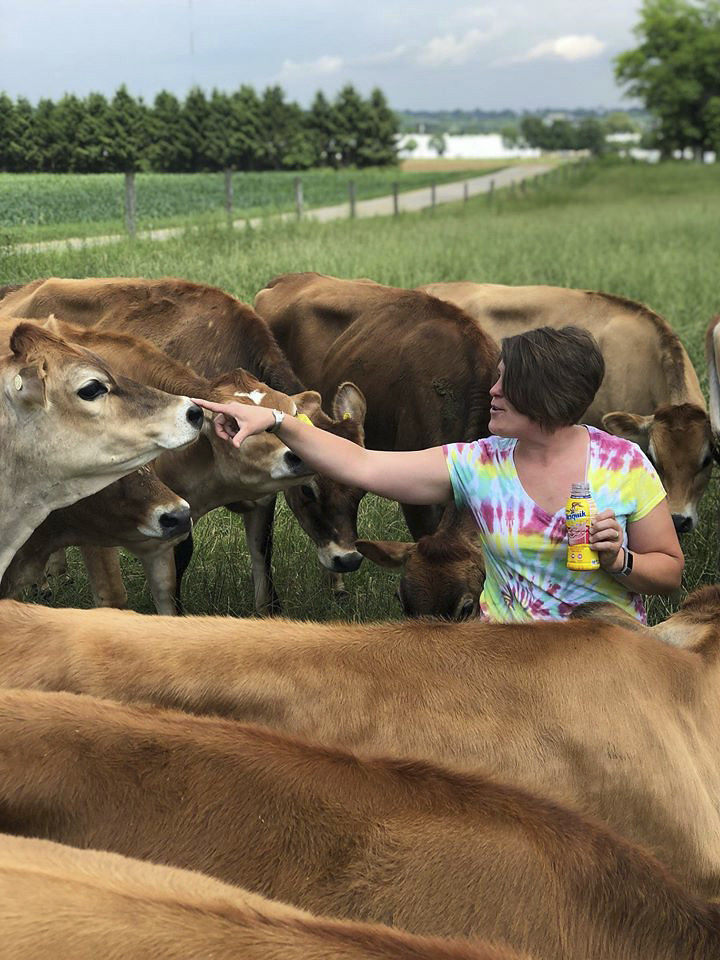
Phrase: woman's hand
[236,421]
[606,537]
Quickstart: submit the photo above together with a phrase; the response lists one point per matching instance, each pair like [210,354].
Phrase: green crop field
[648,233]
[45,206]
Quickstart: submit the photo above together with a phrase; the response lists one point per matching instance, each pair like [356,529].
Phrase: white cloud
[451,50]
[323,66]
[384,56]
[570,47]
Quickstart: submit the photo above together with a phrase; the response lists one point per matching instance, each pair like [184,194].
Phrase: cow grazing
[650,393]
[213,332]
[622,726]
[428,850]
[424,367]
[212,473]
[69,904]
[70,427]
[442,574]
[133,512]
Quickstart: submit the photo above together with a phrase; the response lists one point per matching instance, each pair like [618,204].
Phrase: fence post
[351,194]
[523,187]
[298,197]
[491,190]
[432,195]
[396,203]
[130,204]
[466,191]
[229,195]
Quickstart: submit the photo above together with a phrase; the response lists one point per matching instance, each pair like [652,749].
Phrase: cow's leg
[336,583]
[259,532]
[106,582]
[183,555]
[421,520]
[160,571]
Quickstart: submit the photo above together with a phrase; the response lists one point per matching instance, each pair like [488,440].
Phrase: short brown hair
[552,375]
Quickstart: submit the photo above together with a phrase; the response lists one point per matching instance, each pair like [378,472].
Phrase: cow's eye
[707,462]
[92,390]
[307,490]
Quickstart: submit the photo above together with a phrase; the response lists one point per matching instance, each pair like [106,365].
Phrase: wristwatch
[278,416]
[627,565]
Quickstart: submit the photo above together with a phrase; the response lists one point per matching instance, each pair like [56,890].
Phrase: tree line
[242,130]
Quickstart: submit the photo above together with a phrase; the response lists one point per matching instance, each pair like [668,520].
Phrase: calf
[68,904]
[402,842]
[134,512]
[623,726]
[70,427]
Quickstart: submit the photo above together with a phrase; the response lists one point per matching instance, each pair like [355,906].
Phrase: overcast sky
[422,54]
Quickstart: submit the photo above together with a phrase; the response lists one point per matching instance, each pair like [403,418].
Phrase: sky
[425,54]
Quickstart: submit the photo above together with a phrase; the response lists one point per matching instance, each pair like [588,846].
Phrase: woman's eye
[91,390]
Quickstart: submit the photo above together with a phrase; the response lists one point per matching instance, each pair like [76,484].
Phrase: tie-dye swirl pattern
[525,548]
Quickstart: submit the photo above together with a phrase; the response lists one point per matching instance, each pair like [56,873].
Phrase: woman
[517,481]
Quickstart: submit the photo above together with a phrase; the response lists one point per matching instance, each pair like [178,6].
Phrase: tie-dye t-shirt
[525,549]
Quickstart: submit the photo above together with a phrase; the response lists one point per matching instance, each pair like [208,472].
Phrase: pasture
[648,233]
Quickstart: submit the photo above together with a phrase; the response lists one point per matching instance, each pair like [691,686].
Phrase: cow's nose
[294,463]
[195,415]
[346,562]
[682,524]
[175,522]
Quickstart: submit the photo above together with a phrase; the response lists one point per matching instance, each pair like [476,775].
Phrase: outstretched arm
[414,476]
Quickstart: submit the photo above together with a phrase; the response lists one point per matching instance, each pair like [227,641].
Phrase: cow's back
[646,364]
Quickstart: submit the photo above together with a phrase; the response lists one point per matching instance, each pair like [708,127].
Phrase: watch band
[627,565]
[278,417]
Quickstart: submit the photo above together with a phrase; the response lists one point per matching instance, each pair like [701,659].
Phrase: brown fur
[429,850]
[67,904]
[609,719]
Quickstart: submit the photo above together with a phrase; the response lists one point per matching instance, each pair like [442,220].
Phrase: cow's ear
[349,403]
[28,385]
[632,426]
[386,553]
[308,402]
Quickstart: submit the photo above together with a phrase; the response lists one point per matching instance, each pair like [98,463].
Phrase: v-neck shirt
[525,547]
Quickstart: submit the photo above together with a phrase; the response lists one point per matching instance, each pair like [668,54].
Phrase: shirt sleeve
[461,460]
[647,488]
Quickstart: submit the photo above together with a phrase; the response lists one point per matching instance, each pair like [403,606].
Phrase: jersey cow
[215,333]
[402,842]
[68,904]
[70,427]
[635,744]
[213,473]
[650,393]
[424,367]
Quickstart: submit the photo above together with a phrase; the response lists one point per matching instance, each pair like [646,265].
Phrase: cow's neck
[192,473]
[20,518]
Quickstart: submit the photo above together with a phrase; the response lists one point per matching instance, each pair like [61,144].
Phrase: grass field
[649,233]
[50,206]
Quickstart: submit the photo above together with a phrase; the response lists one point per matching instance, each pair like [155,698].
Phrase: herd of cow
[424,789]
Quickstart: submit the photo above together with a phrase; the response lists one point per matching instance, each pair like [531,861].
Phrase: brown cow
[70,427]
[650,393]
[429,850]
[67,904]
[623,726]
[133,512]
[213,333]
[443,573]
[212,473]
[423,365]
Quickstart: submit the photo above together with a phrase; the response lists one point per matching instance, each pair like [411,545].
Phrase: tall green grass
[649,233]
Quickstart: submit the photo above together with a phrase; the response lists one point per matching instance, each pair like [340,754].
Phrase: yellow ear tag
[17,382]
[305,419]
[346,416]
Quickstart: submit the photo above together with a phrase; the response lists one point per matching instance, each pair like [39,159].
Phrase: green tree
[438,143]
[23,153]
[193,131]
[7,108]
[246,129]
[675,71]
[69,114]
[323,132]
[286,142]
[378,133]
[167,152]
[349,108]
[128,132]
[93,142]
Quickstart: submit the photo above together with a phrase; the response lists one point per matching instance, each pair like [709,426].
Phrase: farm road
[409,202]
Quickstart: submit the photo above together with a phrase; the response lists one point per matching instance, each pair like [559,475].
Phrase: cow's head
[327,511]
[443,576]
[678,441]
[696,625]
[262,464]
[64,406]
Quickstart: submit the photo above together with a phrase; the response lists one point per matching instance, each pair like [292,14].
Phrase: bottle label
[579,514]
